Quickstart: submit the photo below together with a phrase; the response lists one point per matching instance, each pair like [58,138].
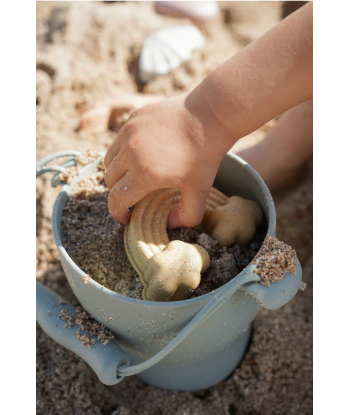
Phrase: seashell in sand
[170,271]
[166,49]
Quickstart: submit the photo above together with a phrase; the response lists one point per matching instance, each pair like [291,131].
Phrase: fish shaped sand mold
[166,49]
[170,271]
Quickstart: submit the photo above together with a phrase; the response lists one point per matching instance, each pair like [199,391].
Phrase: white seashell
[165,49]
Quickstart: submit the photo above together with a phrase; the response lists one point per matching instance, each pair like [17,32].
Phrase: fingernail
[125,219]
[173,221]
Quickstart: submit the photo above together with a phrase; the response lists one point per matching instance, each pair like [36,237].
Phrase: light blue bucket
[184,345]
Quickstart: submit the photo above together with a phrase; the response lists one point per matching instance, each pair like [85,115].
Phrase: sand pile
[85,52]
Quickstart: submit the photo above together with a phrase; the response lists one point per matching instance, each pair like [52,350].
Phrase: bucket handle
[110,362]
[209,309]
[104,359]
[41,167]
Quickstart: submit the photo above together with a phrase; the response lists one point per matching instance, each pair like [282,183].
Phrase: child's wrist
[228,105]
[215,134]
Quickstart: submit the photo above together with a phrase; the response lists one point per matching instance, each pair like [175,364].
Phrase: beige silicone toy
[234,222]
[170,271]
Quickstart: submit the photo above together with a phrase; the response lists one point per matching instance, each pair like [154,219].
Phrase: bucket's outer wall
[142,328]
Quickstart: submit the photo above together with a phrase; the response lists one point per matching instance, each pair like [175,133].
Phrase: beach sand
[87,52]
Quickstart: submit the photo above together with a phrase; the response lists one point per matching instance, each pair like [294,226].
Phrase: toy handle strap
[41,167]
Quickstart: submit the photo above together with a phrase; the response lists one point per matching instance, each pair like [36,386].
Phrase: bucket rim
[66,190]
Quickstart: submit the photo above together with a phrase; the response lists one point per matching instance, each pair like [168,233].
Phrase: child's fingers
[116,170]
[113,149]
[124,194]
[190,210]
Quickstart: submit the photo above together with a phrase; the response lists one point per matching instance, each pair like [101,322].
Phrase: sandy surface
[85,53]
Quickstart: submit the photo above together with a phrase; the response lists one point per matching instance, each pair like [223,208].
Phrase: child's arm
[266,78]
[180,142]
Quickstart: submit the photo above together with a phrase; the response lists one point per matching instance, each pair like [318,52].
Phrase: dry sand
[87,51]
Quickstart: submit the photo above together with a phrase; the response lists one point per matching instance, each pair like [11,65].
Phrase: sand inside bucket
[95,241]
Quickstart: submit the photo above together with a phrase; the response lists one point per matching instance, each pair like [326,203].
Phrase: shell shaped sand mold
[170,271]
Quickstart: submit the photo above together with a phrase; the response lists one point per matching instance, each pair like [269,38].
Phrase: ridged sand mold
[170,271]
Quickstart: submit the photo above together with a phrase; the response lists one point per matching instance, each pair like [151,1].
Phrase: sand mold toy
[172,270]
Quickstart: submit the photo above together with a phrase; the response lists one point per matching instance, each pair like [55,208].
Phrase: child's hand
[180,142]
[175,143]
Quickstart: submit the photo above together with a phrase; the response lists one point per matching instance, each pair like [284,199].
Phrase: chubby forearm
[180,142]
[271,75]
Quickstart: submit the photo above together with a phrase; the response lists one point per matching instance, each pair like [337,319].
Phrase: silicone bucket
[184,345]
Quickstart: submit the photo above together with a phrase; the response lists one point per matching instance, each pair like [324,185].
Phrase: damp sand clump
[274,259]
